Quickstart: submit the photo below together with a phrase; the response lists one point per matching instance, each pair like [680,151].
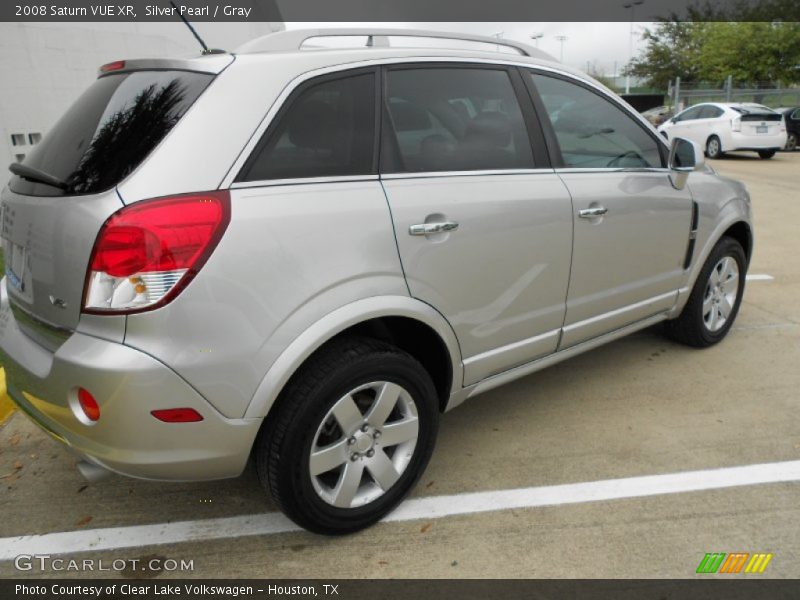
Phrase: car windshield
[109,131]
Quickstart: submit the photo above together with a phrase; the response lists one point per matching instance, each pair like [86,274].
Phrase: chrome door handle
[429,228]
[590,213]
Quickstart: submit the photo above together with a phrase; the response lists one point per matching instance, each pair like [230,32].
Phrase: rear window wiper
[35,175]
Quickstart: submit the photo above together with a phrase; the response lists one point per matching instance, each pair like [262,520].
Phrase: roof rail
[289,40]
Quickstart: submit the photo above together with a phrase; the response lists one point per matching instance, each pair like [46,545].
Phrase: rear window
[110,130]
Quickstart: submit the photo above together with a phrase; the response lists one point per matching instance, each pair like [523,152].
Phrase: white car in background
[724,127]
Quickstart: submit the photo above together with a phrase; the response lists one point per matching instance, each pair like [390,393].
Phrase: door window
[327,130]
[690,114]
[710,112]
[592,131]
[453,119]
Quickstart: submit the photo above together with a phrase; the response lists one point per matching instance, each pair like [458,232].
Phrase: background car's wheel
[713,147]
[352,432]
[714,302]
[766,153]
[791,142]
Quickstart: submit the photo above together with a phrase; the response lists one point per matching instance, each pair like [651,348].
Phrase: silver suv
[305,255]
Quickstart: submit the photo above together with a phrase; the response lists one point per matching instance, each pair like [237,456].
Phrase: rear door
[483,224]
[631,225]
[48,230]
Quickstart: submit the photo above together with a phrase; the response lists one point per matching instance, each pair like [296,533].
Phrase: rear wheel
[713,147]
[353,432]
[766,153]
[714,302]
[791,142]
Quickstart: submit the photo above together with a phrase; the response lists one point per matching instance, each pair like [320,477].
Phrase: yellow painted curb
[6,406]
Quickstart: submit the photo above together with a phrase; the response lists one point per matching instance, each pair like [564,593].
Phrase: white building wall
[44,67]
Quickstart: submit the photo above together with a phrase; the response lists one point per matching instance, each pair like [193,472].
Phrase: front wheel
[714,302]
[791,142]
[351,435]
[766,153]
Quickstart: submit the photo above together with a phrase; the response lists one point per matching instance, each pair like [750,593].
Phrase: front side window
[453,119]
[593,132]
[328,129]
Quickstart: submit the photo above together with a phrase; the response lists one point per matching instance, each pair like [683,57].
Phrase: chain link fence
[761,92]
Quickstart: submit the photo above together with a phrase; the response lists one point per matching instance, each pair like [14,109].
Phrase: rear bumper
[127,385]
[741,141]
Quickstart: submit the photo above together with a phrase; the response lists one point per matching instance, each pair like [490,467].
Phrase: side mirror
[684,157]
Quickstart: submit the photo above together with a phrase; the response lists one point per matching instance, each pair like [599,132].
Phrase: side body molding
[339,320]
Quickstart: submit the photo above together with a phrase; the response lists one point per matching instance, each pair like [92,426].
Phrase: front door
[631,224]
[484,235]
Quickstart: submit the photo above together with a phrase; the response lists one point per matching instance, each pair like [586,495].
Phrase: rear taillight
[146,253]
[783,124]
[736,124]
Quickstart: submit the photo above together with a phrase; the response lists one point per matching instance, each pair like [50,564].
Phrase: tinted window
[689,114]
[328,130]
[111,129]
[453,119]
[710,112]
[796,115]
[593,132]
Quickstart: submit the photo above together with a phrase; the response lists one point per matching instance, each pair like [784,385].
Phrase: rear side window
[453,119]
[710,112]
[689,114]
[110,130]
[327,130]
[592,131]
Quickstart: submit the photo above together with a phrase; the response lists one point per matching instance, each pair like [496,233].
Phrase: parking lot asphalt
[638,407]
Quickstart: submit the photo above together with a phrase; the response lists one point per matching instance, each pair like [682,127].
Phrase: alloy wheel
[720,295]
[364,444]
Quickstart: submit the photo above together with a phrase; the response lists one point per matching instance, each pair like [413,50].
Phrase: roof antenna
[206,50]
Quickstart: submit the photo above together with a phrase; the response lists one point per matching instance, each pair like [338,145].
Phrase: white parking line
[434,507]
[758,277]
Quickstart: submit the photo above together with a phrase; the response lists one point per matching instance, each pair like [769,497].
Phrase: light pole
[632,6]
[562,39]
[536,37]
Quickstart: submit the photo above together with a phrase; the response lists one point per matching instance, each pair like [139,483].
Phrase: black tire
[283,448]
[689,327]
[766,153]
[713,147]
[791,142]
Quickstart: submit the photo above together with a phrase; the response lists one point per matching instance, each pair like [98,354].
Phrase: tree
[750,52]
[671,52]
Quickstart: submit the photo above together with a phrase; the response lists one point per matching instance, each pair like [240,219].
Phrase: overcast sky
[602,44]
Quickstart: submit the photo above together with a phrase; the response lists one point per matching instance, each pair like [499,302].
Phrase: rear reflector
[112,66]
[146,253]
[177,415]
[88,405]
